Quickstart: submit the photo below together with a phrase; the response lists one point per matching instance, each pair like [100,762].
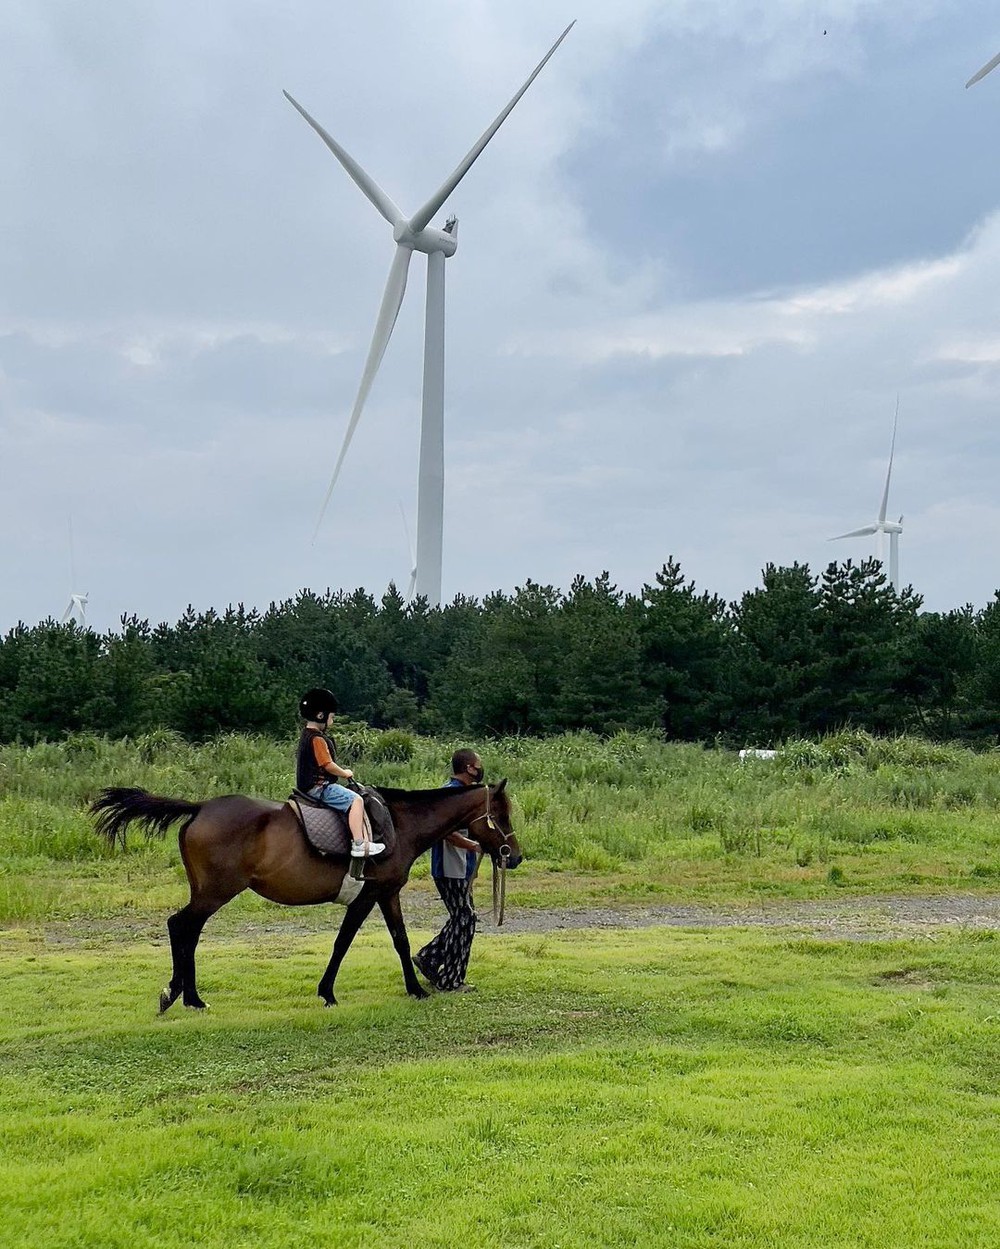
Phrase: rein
[499,864]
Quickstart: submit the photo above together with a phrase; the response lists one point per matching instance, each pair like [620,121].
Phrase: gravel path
[871,918]
[856,919]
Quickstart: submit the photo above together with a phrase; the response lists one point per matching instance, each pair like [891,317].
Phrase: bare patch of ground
[858,918]
[849,918]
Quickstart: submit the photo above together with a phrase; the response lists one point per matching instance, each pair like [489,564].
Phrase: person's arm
[326,763]
[463,842]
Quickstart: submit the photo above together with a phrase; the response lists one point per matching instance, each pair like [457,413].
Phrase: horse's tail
[115,809]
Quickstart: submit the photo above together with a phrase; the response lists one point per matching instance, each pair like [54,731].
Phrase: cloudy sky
[696,266]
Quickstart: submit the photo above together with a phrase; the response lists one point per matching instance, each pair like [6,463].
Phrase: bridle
[499,863]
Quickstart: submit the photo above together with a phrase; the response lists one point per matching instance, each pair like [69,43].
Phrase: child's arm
[326,763]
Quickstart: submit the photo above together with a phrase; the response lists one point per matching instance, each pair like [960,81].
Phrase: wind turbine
[77,609]
[413,559]
[410,235]
[883,526]
[984,71]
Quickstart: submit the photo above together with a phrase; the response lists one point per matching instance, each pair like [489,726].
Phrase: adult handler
[454,859]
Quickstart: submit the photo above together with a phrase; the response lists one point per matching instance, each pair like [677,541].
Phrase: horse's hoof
[419,993]
[166,999]
[332,1002]
[199,1005]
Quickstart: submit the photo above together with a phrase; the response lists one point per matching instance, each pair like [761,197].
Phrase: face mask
[476,774]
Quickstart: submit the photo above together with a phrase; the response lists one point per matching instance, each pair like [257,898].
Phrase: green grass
[648,1087]
[602,1089]
[655,820]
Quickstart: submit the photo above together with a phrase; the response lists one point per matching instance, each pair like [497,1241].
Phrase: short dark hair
[462,759]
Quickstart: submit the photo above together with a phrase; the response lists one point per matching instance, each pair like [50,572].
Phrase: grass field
[623,1087]
[641,1088]
[653,820]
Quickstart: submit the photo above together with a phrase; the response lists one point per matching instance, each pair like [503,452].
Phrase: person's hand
[347,774]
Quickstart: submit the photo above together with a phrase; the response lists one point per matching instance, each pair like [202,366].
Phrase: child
[316,766]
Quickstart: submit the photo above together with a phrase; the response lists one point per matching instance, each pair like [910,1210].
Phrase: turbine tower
[883,526]
[410,235]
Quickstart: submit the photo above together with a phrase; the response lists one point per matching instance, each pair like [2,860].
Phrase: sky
[696,266]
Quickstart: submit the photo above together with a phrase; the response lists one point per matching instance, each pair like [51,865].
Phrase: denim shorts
[337,796]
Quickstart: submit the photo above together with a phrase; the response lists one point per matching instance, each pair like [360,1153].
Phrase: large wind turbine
[416,234]
[883,526]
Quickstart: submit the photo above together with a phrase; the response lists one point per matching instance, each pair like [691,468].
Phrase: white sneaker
[361,849]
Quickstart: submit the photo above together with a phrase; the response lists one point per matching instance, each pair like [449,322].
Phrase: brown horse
[235,843]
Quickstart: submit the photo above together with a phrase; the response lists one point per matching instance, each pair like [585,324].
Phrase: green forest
[799,656]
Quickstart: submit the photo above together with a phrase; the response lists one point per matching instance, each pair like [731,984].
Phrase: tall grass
[635,813]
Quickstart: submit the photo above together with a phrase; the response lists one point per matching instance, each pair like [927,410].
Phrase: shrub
[392,746]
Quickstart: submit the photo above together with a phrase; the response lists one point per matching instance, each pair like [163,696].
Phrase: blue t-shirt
[452,862]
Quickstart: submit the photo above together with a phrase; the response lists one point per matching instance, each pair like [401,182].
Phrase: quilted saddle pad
[327,830]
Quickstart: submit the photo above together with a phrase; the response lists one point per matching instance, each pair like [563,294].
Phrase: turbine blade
[984,71]
[367,184]
[68,613]
[892,448]
[387,313]
[422,218]
[856,533]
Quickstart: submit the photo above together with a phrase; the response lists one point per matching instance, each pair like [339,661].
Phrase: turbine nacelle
[427,240]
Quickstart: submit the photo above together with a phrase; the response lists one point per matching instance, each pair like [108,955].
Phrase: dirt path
[870,918]
[849,918]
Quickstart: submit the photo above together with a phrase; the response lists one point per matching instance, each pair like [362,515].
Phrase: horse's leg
[354,917]
[176,926]
[185,929]
[393,915]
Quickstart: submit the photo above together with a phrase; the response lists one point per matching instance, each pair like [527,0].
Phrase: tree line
[801,655]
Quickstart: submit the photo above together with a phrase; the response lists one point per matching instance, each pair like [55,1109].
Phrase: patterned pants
[446,958]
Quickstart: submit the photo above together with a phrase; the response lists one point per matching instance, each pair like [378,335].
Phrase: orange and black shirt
[315,751]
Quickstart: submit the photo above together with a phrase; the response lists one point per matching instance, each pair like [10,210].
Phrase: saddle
[327,831]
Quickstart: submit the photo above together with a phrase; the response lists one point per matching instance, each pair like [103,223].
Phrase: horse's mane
[423,797]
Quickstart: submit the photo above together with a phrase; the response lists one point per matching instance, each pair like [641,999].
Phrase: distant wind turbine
[883,526]
[413,558]
[410,235]
[77,608]
[984,71]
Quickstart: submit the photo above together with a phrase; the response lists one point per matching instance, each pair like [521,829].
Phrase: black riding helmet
[317,704]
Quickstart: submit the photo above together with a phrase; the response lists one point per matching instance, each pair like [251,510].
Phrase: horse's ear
[502,785]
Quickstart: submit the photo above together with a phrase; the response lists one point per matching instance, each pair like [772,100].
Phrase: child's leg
[356,821]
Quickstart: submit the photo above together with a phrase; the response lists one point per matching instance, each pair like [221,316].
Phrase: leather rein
[499,863]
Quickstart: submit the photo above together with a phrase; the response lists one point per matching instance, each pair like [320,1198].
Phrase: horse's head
[492,828]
